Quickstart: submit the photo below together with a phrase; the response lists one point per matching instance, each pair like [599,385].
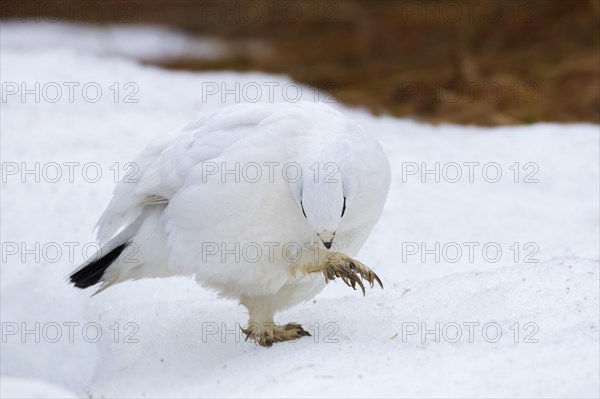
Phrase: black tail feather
[92,273]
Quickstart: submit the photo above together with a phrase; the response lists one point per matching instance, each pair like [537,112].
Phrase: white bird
[257,201]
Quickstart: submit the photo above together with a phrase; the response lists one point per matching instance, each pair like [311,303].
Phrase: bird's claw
[272,333]
[350,271]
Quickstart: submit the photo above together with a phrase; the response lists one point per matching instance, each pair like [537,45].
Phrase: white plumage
[247,199]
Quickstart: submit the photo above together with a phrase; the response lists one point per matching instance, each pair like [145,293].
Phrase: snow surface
[363,346]
[141,42]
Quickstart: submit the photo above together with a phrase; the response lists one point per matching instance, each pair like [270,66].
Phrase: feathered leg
[261,327]
[336,265]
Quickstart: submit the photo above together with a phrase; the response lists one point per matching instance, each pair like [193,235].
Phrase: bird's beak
[327,239]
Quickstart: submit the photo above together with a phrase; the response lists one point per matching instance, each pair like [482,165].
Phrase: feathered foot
[352,272]
[272,333]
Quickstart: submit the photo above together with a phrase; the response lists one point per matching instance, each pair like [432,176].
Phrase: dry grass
[538,61]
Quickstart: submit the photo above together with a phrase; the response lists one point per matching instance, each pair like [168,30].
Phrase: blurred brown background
[474,62]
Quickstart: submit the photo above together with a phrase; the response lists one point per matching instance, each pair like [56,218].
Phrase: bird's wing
[162,168]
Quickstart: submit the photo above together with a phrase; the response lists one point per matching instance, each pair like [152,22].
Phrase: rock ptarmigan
[256,201]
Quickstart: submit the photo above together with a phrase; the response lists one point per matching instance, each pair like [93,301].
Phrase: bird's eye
[302,206]
[344,208]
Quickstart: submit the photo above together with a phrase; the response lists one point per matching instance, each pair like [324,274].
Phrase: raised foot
[351,271]
[271,333]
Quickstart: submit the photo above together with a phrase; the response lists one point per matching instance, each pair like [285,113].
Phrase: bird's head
[323,199]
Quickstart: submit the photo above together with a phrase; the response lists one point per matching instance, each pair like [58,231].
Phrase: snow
[137,41]
[183,341]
